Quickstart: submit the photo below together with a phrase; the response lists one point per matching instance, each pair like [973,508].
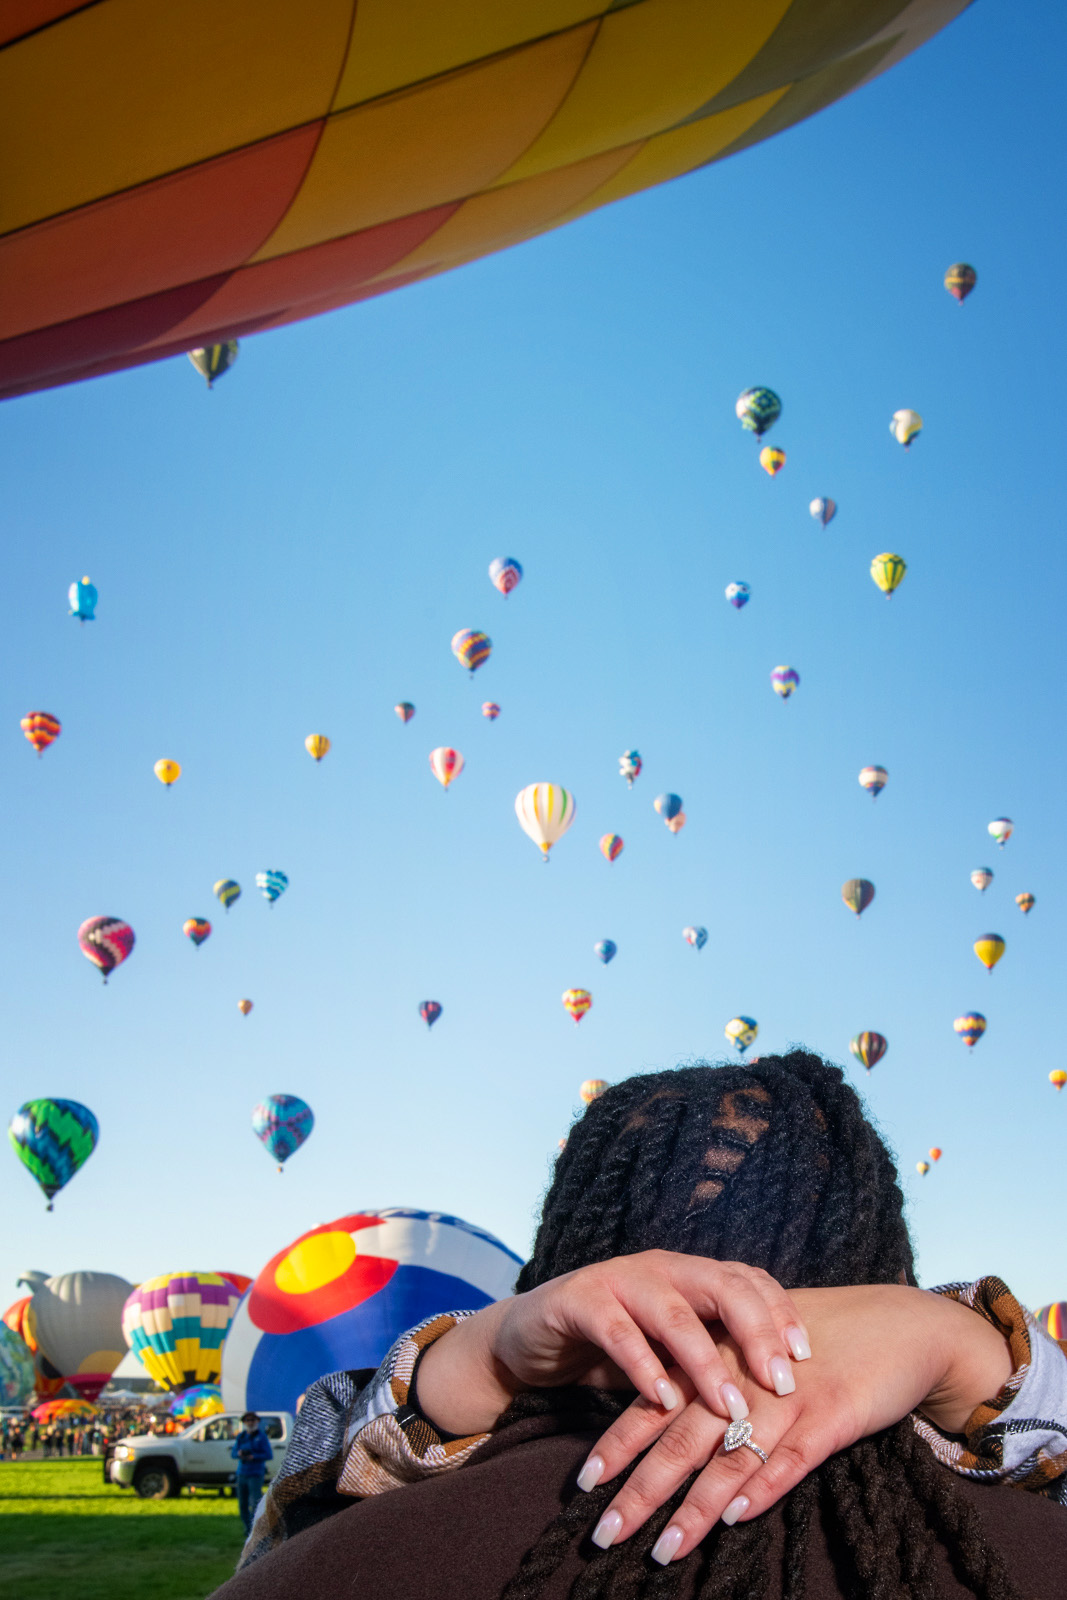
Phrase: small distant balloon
[212,360]
[197,929]
[935,1152]
[960,279]
[874,780]
[244,1007]
[922,1168]
[869,1048]
[784,680]
[771,459]
[545,812]
[1026,903]
[1057,1077]
[505,574]
[857,894]
[611,846]
[823,510]
[429,1011]
[989,949]
[905,426]
[970,1027]
[1002,829]
[491,710]
[741,1031]
[592,1089]
[405,710]
[888,571]
[106,942]
[577,1002]
[446,764]
[982,877]
[41,729]
[316,745]
[471,649]
[82,597]
[697,937]
[738,594]
[271,884]
[757,409]
[630,766]
[167,772]
[668,805]
[227,891]
[282,1122]
[605,950]
[676,824]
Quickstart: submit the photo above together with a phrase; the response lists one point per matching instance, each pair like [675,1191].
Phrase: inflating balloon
[41,729]
[282,1122]
[823,510]
[905,426]
[1026,903]
[1001,829]
[446,764]
[592,1089]
[577,1002]
[175,1325]
[758,409]
[611,846]
[771,459]
[106,942]
[212,360]
[888,571]
[429,1011]
[316,745]
[82,597]
[1057,1077]
[869,1048]
[857,894]
[630,766]
[201,1400]
[505,574]
[16,1369]
[197,929]
[227,891]
[970,1027]
[271,884]
[668,805]
[76,1320]
[471,649]
[545,812]
[53,1139]
[405,710]
[605,950]
[874,780]
[676,824]
[741,1031]
[738,595]
[784,680]
[989,949]
[244,1007]
[491,710]
[960,279]
[697,937]
[167,772]
[982,877]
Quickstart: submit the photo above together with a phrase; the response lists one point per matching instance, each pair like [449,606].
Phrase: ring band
[739,1436]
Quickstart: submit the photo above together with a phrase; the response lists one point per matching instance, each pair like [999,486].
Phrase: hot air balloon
[869,1048]
[738,595]
[970,1027]
[630,766]
[167,772]
[741,1031]
[758,409]
[577,1002]
[823,510]
[1001,829]
[960,279]
[106,942]
[668,805]
[676,824]
[857,894]
[201,1400]
[874,780]
[271,884]
[1057,1077]
[934,1152]
[1026,903]
[212,360]
[244,1007]
[227,891]
[1053,1319]
[989,949]
[697,937]
[471,649]
[605,950]
[888,571]
[922,1168]
[429,1011]
[611,846]
[16,1369]
[505,574]
[175,1325]
[982,877]
[784,680]
[592,1089]
[905,426]
[446,764]
[76,1320]
[491,710]
[282,1122]
[83,598]
[316,745]
[197,929]
[53,1139]
[41,729]
[405,710]
[771,459]
[545,812]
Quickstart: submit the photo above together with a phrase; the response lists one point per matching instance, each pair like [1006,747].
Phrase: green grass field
[66,1535]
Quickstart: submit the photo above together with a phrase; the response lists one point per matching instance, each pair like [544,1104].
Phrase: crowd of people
[24,1437]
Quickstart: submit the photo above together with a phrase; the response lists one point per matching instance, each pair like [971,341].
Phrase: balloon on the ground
[668,805]
[697,937]
[446,764]
[823,510]
[505,574]
[404,710]
[592,1089]
[316,745]
[1026,903]
[545,812]
[1001,829]
[167,772]
[758,409]
[989,949]
[611,846]
[200,1400]
[577,1002]
[857,893]
[771,459]
[874,780]
[41,729]
[227,891]
[53,1139]
[888,571]
[429,1011]
[869,1048]
[76,1321]
[970,1027]
[676,823]
[784,680]
[175,1325]
[1057,1077]
[741,1031]
[16,1369]
[341,1294]
[982,877]
[960,279]
[83,597]
[244,1007]
[62,1411]
[490,710]
[212,360]
[197,929]
[605,950]
[271,884]
[905,426]
[281,1123]
[738,595]
[471,648]
[106,942]
[630,766]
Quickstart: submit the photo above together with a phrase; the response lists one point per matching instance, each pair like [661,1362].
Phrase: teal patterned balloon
[53,1139]
[271,884]
[757,409]
[16,1368]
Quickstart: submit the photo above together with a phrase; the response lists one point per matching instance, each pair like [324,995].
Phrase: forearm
[462,1387]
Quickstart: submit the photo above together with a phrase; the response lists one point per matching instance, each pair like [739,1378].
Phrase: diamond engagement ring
[739,1436]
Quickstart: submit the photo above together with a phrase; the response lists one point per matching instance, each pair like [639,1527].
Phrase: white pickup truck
[158,1466]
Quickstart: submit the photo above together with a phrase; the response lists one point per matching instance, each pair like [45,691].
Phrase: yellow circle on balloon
[315,1261]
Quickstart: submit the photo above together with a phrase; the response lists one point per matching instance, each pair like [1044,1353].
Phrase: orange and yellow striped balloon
[41,729]
[577,1002]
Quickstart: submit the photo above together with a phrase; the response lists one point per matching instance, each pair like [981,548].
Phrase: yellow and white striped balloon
[545,812]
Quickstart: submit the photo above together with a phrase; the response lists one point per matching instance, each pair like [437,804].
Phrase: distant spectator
[251,1451]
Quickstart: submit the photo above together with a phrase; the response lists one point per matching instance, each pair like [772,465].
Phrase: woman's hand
[605,1325]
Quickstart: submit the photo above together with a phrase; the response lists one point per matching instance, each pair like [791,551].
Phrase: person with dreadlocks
[773,1165]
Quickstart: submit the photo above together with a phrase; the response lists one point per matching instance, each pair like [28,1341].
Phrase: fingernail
[781,1377]
[668,1395]
[797,1341]
[666,1546]
[735,1509]
[607,1530]
[734,1401]
[591,1473]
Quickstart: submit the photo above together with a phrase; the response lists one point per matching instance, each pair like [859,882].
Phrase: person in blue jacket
[251,1450]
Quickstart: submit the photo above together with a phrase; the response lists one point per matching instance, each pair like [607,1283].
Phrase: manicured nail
[607,1530]
[734,1401]
[668,1394]
[591,1473]
[735,1509]
[781,1377]
[666,1546]
[797,1340]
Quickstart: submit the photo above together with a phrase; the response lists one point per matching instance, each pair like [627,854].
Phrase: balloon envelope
[823,510]
[592,1089]
[227,891]
[271,884]
[490,710]
[316,745]
[404,710]
[577,1002]
[197,929]
[471,649]
[960,279]
[212,360]
[668,805]
[738,595]
[82,597]
[857,894]
[77,1326]
[757,409]
[1057,1077]
[282,1122]
[874,780]
[605,950]
[41,729]
[888,571]
[982,877]
[741,1031]
[429,1011]
[201,1400]
[698,937]
[630,766]
[869,1048]
[1001,829]
[106,942]
[771,459]
[989,949]
[1025,902]
[167,772]
[545,812]
[611,846]
[175,1325]
[677,823]
[53,1139]
[244,1007]
[784,680]
[505,574]
[970,1027]
[16,1369]
[905,426]
[446,764]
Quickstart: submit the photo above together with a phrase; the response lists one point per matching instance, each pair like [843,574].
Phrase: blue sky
[292,554]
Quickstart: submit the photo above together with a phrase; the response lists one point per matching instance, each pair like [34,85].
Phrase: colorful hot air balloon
[76,1318]
[1026,903]
[758,409]
[741,1031]
[738,595]
[1001,829]
[630,766]
[83,598]
[611,846]
[869,1048]
[197,929]
[697,937]
[970,1027]
[874,780]
[784,680]
[771,459]
[175,1325]
[888,571]
[212,360]
[167,772]
[577,1002]
[960,279]
[106,942]
[201,1400]
[823,510]
[676,824]
[905,426]
[41,729]
[271,884]
[935,1152]
[471,649]
[592,1089]
[668,805]
[316,745]
[922,1168]
[1053,1319]
[1057,1077]
[545,812]
[244,1007]
[429,1011]
[857,894]
[282,1122]
[405,710]
[490,710]
[16,1369]
[982,877]
[605,950]
[989,949]
[53,1139]
[505,574]
[227,891]
[446,764]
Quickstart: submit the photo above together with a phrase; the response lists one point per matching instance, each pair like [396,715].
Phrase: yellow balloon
[922,1168]
[888,571]
[771,459]
[1057,1078]
[592,1088]
[316,745]
[167,772]
[989,949]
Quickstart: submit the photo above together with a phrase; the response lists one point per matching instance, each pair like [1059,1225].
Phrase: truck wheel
[153,1482]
